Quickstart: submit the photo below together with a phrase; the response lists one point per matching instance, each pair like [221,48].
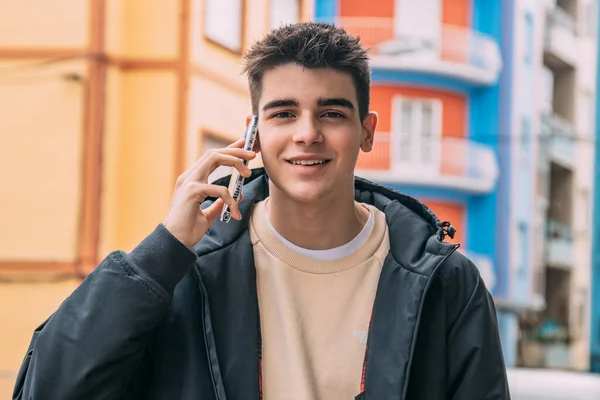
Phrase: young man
[325,286]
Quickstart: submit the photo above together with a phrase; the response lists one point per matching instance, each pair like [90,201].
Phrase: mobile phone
[237,181]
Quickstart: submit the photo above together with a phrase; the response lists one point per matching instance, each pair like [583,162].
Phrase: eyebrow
[337,101]
[323,102]
[280,103]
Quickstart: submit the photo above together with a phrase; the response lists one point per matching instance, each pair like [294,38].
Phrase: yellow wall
[34,23]
[218,111]
[142,28]
[151,28]
[144,156]
[116,27]
[40,162]
[113,134]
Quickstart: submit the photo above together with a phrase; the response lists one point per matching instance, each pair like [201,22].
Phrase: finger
[200,191]
[209,155]
[236,152]
[237,144]
[213,211]
[204,169]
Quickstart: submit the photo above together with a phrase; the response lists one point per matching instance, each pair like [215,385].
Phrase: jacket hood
[414,228]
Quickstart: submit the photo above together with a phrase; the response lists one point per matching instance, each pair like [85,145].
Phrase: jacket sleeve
[94,344]
[476,368]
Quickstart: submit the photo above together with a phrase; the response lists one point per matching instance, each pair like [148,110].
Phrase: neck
[320,226]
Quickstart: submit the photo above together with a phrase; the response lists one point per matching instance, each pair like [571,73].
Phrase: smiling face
[310,132]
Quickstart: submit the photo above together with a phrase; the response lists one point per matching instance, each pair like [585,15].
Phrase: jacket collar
[410,221]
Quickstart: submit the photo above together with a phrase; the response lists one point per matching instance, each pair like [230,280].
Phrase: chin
[304,193]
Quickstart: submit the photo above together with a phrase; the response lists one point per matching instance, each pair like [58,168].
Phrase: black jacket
[163,322]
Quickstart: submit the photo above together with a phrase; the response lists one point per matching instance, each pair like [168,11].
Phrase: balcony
[561,138]
[560,39]
[460,53]
[559,245]
[452,163]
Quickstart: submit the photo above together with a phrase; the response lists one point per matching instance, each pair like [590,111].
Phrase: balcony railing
[561,138]
[560,36]
[559,245]
[458,51]
[449,162]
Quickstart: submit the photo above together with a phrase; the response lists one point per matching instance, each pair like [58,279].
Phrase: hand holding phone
[186,220]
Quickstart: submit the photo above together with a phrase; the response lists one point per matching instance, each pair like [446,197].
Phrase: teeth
[308,162]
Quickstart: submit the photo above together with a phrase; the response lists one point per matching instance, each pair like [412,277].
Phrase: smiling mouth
[308,162]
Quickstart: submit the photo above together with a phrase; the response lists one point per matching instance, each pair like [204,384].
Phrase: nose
[308,131]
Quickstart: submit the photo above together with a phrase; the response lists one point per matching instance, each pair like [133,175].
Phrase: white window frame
[276,14]
[416,139]
[223,23]
[418,24]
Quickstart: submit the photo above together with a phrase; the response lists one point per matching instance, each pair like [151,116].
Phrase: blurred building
[484,108]
[105,103]
[564,67]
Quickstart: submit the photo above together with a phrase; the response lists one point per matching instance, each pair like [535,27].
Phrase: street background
[487,114]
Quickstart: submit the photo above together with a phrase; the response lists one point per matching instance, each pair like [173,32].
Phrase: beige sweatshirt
[314,314]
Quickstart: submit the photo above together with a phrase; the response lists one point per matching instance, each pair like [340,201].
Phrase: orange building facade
[377,23]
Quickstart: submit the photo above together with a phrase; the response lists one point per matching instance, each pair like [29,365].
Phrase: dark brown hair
[310,45]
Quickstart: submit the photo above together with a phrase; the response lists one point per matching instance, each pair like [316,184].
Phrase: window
[420,20]
[417,131]
[209,142]
[283,12]
[525,133]
[524,245]
[525,141]
[223,23]
[547,89]
[529,33]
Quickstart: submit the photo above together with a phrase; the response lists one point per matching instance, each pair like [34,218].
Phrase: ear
[256,147]
[368,132]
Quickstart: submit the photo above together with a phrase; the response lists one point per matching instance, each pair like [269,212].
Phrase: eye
[334,114]
[283,114]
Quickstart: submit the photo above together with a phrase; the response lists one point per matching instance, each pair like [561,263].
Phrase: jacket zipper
[418,323]
[206,344]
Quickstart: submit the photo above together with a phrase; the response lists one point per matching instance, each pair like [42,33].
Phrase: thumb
[213,211]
